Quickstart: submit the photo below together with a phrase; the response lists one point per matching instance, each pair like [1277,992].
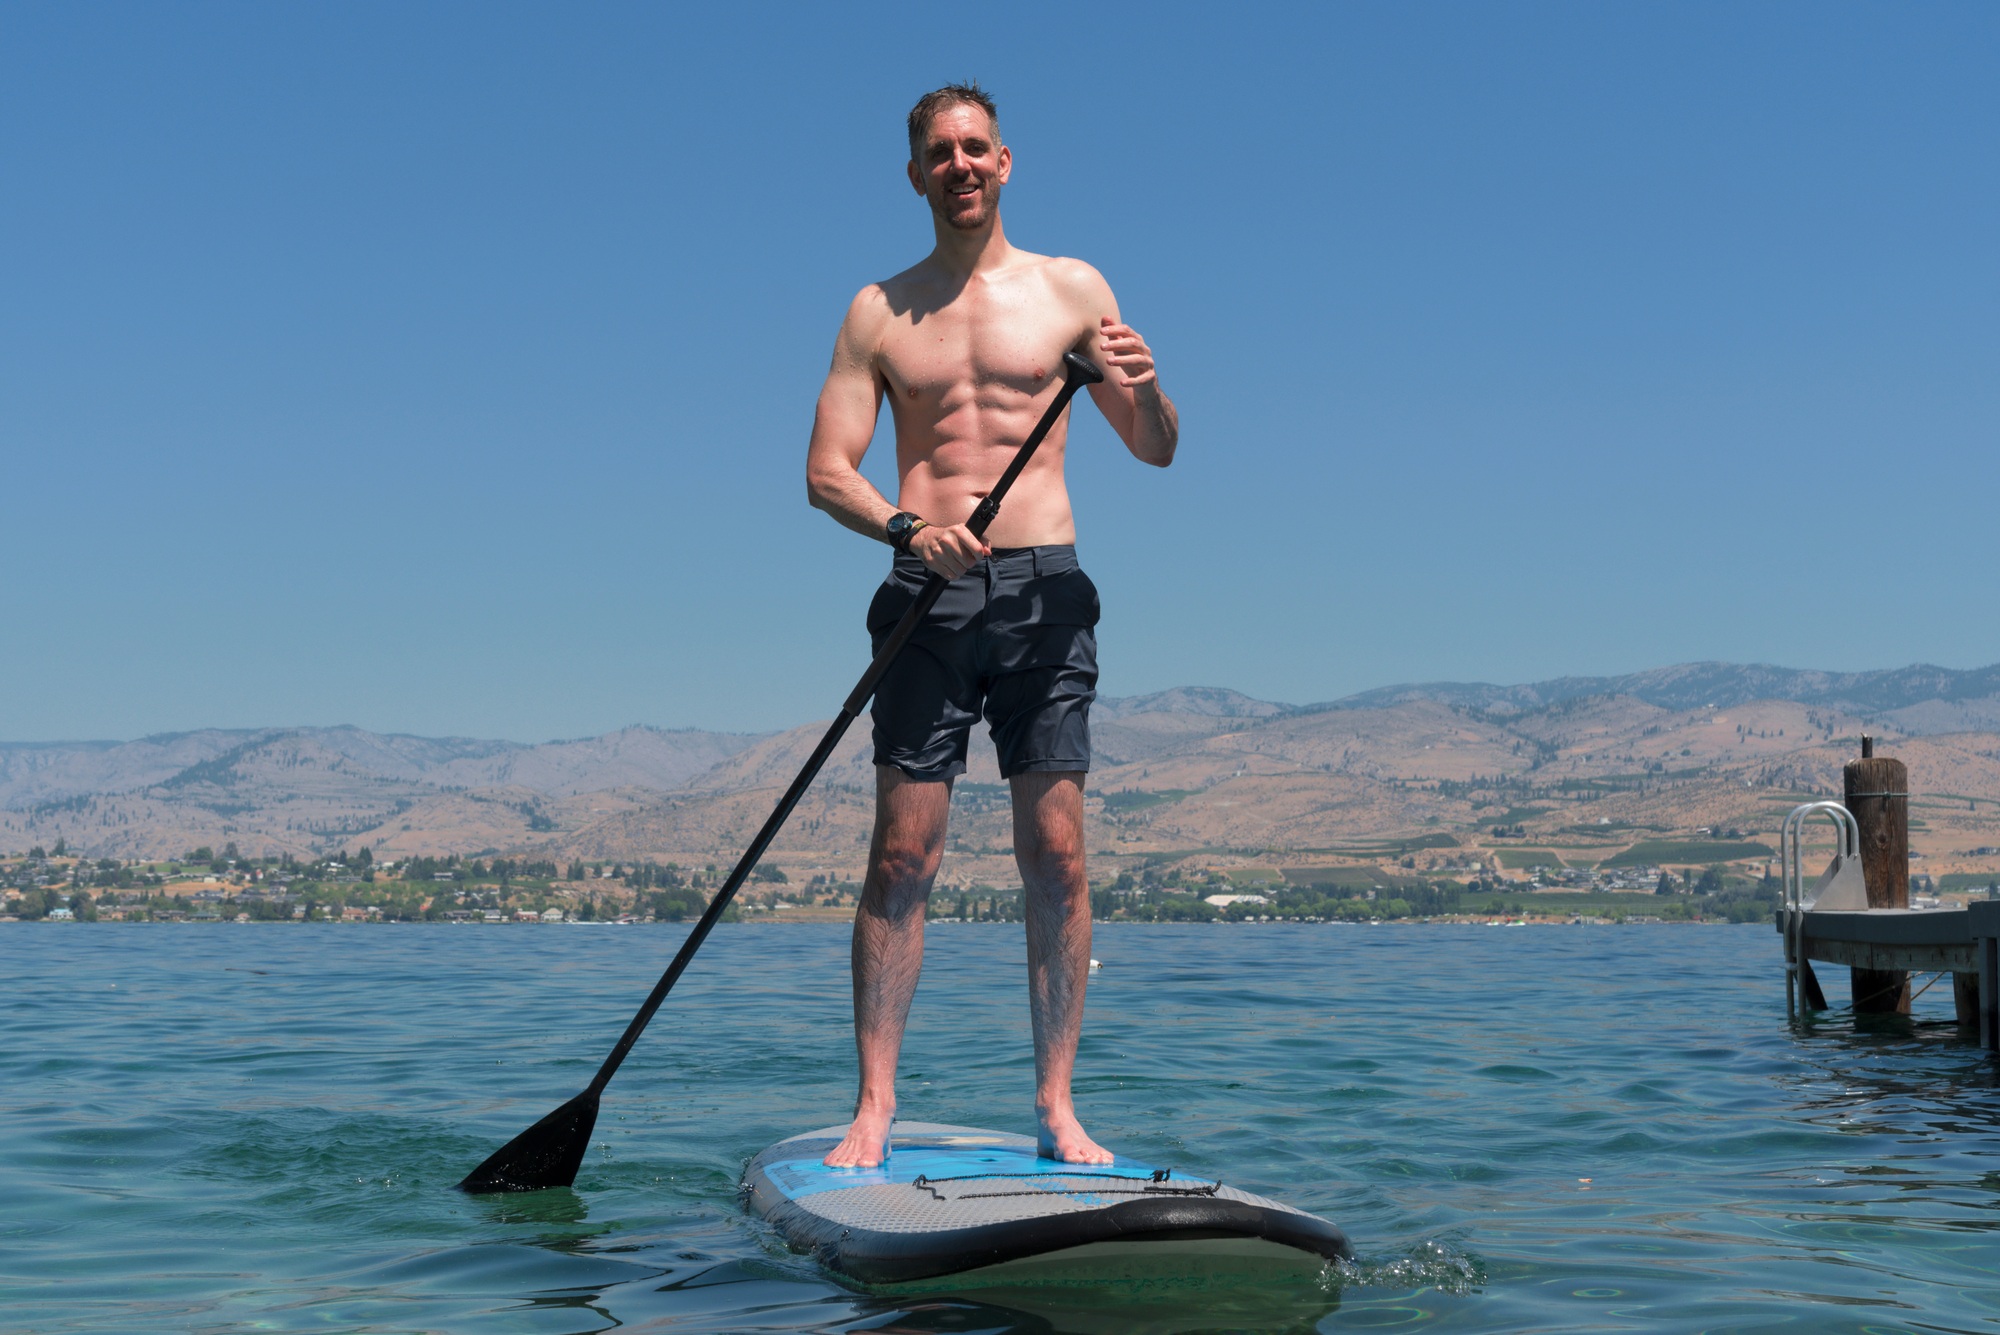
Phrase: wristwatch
[902,527]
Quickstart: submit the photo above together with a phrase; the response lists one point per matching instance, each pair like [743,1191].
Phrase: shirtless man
[967,346]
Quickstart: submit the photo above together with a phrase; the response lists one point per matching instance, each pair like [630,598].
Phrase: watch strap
[903,526]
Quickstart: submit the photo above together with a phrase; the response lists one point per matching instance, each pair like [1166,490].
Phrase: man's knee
[1055,861]
[909,829]
[905,861]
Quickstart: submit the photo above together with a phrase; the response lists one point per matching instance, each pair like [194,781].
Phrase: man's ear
[916,177]
[1006,157]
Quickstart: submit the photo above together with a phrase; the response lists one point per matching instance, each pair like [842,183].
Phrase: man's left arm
[1130,397]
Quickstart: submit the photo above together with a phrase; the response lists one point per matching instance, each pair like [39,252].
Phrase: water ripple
[258,1128]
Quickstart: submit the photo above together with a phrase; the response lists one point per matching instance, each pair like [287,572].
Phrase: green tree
[62,848]
[674,905]
[1665,885]
[1186,908]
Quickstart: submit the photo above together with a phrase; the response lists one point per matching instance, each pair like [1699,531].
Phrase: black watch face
[900,525]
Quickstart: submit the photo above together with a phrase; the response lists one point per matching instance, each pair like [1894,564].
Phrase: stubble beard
[972,221]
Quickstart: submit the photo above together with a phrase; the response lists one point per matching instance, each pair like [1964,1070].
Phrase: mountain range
[1194,768]
[1917,700]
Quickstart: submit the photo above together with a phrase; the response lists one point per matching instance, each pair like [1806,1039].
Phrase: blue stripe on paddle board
[807,1176]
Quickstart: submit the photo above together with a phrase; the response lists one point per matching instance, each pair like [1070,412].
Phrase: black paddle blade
[547,1154]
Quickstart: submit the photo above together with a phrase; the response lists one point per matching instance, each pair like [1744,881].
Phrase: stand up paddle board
[984,1208]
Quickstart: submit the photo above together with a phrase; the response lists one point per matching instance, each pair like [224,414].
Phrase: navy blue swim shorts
[1013,639]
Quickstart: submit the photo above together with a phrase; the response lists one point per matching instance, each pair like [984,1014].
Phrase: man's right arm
[844,423]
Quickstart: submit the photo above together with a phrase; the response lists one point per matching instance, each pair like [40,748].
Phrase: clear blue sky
[448,368]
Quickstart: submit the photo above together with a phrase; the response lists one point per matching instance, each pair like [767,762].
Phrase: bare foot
[867,1143]
[1063,1139]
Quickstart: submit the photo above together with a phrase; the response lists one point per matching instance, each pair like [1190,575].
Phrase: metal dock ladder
[1840,886]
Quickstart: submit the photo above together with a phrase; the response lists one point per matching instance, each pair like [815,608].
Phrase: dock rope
[1893,987]
[1927,986]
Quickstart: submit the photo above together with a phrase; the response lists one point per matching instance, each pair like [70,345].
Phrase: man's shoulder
[884,297]
[868,319]
[1069,269]
[1074,279]
[871,302]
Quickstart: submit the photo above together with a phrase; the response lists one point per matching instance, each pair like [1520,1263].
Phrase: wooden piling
[1965,999]
[1878,793]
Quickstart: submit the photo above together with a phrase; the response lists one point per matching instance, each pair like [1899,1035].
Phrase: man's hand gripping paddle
[549,1153]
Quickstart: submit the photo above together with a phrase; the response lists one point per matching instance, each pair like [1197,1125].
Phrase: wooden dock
[1964,943]
[1859,914]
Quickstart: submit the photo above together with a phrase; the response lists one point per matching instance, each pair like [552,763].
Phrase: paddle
[549,1153]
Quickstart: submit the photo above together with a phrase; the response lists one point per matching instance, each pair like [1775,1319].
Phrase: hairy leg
[1048,845]
[889,948]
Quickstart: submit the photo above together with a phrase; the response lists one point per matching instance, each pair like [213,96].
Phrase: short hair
[968,94]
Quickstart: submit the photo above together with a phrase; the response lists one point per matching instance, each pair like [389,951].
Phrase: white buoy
[1097,964]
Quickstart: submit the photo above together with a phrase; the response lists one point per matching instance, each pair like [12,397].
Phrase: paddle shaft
[1077,374]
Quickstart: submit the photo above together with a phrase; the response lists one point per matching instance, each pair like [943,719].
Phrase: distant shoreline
[1539,920]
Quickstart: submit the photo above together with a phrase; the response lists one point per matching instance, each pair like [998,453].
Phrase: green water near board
[257,1128]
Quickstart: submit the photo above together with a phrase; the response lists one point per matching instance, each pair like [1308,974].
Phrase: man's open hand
[948,549]
[1124,349]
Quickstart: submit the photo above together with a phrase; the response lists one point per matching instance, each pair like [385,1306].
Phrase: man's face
[961,166]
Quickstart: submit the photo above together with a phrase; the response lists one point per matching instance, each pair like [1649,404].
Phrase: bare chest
[985,346]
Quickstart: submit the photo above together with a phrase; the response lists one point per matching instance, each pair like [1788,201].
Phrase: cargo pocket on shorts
[1048,624]
[1066,599]
[891,600]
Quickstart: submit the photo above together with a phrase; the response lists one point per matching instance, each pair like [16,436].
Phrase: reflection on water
[558,1205]
[759,1297]
[1553,1129]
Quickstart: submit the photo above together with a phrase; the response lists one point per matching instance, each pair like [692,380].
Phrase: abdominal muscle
[949,466]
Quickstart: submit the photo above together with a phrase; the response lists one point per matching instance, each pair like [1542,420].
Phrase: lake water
[257,1128]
